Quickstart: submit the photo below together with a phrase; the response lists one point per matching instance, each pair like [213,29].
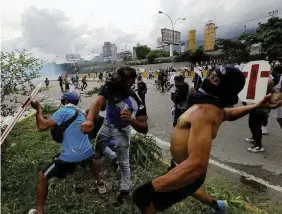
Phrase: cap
[71,97]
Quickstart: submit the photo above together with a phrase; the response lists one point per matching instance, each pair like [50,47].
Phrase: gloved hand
[142,196]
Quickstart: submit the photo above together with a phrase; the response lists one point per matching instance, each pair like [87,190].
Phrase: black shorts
[60,168]
[164,200]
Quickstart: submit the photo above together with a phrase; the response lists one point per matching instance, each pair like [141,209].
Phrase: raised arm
[41,123]
[199,146]
[238,112]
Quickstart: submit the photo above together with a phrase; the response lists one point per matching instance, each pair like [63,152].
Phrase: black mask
[210,88]
[226,98]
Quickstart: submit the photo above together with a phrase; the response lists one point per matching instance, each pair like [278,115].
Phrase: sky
[57,27]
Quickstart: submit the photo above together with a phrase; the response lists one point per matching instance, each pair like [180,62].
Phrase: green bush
[49,108]
[144,150]
[95,90]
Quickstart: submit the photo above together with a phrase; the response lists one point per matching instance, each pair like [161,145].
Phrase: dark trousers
[256,119]
[265,122]
[84,85]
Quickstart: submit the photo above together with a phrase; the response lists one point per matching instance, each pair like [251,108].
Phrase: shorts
[164,200]
[60,168]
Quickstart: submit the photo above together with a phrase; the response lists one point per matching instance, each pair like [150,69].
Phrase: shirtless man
[191,142]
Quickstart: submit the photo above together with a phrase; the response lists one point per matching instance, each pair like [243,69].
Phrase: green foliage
[144,150]
[95,90]
[18,68]
[270,35]
[151,56]
[142,51]
[236,50]
[49,109]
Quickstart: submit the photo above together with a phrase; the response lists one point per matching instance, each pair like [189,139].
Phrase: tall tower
[209,36]
[192,40]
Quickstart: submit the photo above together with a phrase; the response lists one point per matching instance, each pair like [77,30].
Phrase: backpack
[57,132]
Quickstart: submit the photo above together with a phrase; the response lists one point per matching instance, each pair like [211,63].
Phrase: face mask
[210,88]
[226,98]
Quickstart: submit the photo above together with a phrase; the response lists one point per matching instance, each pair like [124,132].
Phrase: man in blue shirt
[76,148]
[123,109]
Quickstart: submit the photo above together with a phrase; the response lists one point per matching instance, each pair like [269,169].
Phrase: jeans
[122,137]
[256,119]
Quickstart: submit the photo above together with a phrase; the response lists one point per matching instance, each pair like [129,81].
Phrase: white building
[109,51]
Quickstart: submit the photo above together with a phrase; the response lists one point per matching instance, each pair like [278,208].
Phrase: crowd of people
[198,112]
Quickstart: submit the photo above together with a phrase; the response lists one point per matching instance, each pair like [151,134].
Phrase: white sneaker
[101,188]
[264,130]
[256,149]
[249,140]
[32,211]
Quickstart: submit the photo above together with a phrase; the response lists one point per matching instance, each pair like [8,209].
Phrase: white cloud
[50,28]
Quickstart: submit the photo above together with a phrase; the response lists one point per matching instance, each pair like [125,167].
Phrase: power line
[249,20]
[239,22]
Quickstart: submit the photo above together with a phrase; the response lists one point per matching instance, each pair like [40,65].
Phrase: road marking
[228,168]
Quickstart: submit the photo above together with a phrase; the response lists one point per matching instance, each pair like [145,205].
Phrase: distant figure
[84,83]
[67,84]
[60,79]
[47,82]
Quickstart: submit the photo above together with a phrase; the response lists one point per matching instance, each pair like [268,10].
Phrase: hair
[277,69]
[179,78]
[126,72]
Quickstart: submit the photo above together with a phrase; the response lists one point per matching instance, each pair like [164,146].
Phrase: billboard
[170,36]
[73,57]
[209,36]
[192,40]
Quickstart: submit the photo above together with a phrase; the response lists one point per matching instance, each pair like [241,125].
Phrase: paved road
[229,147]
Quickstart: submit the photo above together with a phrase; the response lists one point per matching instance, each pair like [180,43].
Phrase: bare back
[180,135]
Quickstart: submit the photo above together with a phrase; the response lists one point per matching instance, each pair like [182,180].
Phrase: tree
[270,35]
[151,56]
[18,68]
[142,51]
[233,50]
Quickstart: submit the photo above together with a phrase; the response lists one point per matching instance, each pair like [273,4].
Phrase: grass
[29,152]
[95,90]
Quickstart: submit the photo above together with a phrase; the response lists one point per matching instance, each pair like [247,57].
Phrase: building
[192,40]
[209,36]
[124,55]
[99,58]
[109,51]
[134,56]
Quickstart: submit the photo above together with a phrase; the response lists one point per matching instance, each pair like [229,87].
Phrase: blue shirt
[75,146]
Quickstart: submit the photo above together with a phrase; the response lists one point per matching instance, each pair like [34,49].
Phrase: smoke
[51,70]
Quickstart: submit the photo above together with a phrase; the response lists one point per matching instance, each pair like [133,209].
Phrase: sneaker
[222,205]
[249,140]
[256,149]
[101,187]
[32,211]
[264,130]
